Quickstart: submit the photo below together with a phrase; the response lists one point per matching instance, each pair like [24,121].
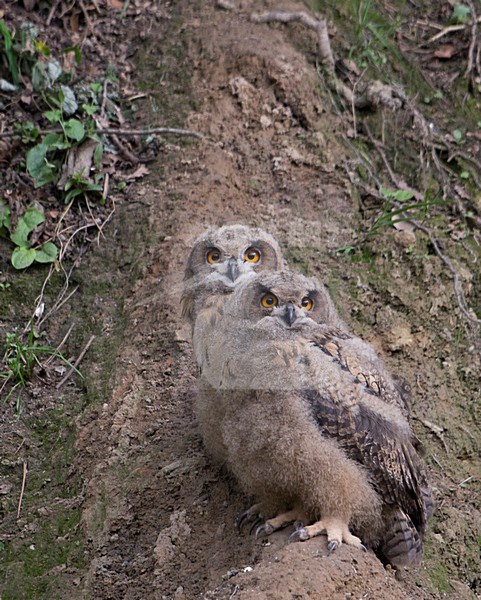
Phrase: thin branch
[59,347]
[474,39]
[113,131]
[76,363]
[24,480]
[457,285]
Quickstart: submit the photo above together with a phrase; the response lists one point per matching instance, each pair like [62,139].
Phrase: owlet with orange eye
[309,428]
[222,257]
[218,261]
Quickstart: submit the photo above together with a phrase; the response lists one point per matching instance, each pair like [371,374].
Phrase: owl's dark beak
[289,315]
[232,269]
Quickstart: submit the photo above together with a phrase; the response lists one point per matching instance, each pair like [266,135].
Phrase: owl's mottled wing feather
[394,466]
[344,349]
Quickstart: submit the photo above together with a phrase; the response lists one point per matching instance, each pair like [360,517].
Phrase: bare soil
[121,500]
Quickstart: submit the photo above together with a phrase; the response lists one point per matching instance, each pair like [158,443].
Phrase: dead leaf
[79,160]
[29,4]
[139,172]
[115,4]
[444,51]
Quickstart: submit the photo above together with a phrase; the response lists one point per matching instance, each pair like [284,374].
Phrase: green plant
[44,160]
[24,255]
[78,185]
[20,360]
[397,209]
[9,52]
[373,34]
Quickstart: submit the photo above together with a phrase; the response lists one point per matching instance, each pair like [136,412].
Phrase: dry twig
[113,131]
[76,363]
[473,63]
[24,480]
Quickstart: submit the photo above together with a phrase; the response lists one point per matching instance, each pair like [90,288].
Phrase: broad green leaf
[23,257]
[33,217]
[53,116]
[38,167]
[74,130]
[90,109]
[47,253]
[69,103]
[21,233]
[55,141]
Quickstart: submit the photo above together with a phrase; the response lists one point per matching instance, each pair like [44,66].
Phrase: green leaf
[42,48]
[96,87]
[464,175]
[403,195]
[23,257]
[98,153]
[55,141]
[90,109]
[69,103]
[53,116]
[38,167]
[21,233]
[461,14]
[9,51]
[74,130]
[47,253]
[457,135]
[33,217]
[40,78]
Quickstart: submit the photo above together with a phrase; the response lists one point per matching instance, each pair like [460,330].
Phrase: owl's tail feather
[402,545]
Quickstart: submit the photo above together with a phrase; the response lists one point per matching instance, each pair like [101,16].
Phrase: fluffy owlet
[220,258]
[309,439]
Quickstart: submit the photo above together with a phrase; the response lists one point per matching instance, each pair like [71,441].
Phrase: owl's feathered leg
[280,521]
[337,533]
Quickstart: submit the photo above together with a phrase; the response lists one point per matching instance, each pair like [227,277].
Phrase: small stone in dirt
[5,488]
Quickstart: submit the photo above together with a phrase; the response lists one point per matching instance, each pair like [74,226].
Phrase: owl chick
[306,437]
[220,258]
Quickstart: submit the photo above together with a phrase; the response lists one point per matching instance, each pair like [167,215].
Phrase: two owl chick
[306,416]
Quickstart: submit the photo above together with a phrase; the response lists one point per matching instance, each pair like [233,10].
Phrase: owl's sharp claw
[363,548]
[264,530]
[332,546]
[299,535]
[241,519]
[255,524]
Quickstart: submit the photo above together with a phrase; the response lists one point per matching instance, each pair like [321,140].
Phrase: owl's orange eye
[269,301]
[307,303]
[252,255]
[213,256]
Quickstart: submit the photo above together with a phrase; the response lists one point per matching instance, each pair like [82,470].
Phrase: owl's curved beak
[232,271]
[289,314]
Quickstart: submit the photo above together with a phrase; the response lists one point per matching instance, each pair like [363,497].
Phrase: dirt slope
[157,519]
